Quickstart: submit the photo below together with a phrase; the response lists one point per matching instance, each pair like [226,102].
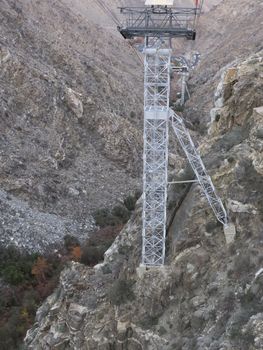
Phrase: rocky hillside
[209,295]
[71,118]
[228,33]
[71,106]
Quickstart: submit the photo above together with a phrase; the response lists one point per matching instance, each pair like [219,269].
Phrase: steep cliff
[228,33]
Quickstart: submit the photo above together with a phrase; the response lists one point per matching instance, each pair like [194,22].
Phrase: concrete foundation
[230,233]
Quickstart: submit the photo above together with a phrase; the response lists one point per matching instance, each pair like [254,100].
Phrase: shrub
[121,213]
[92,255]
[132,114]
[70,242]
[103,217]
[30,301]
[94,248]
[130,202]
[19,299]
[121,292]
[217,118]
[76,253]
[15,267]
[137,194]
[40,269]
[13,275]
[179,108]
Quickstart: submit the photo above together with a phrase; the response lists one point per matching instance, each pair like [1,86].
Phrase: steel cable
[109,12]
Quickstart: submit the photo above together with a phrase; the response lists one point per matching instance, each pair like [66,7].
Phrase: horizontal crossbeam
[164,22]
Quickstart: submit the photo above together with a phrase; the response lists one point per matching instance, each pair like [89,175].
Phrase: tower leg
[155,159]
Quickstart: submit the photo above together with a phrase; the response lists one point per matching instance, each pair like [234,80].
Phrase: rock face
[70,116]
[225,35]
[209,294]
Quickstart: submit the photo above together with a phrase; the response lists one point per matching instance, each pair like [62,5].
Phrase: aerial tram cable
[110,13]
[199,6]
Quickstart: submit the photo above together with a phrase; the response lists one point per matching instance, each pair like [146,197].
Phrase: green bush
[102,217]
[94,248]
[15,267]
[130,202]
[13,275]
[179,108]
[121,213]
[121,292]
[92,255]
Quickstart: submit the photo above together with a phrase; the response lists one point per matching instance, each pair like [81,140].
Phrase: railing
[169,22]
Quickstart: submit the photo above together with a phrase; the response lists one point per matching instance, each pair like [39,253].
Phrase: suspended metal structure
[158,22]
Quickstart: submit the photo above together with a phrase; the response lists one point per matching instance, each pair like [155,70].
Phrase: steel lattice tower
[157,25]
[155,159]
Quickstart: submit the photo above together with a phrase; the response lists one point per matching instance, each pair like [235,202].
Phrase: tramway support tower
[157,22]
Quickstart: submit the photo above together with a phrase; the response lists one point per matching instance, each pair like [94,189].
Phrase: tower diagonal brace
[198,167]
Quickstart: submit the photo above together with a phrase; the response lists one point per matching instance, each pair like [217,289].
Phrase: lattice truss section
[165,22]
[156,109]
[198,167]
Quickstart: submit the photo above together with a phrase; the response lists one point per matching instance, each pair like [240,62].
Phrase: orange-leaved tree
[76,253]
[40,269]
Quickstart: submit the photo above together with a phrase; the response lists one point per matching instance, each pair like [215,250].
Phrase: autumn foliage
[76,253]
[40,269]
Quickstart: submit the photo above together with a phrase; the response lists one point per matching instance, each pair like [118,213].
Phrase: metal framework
[158,24]
[156,114]
[198,167]
[183,72]
[159,21]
